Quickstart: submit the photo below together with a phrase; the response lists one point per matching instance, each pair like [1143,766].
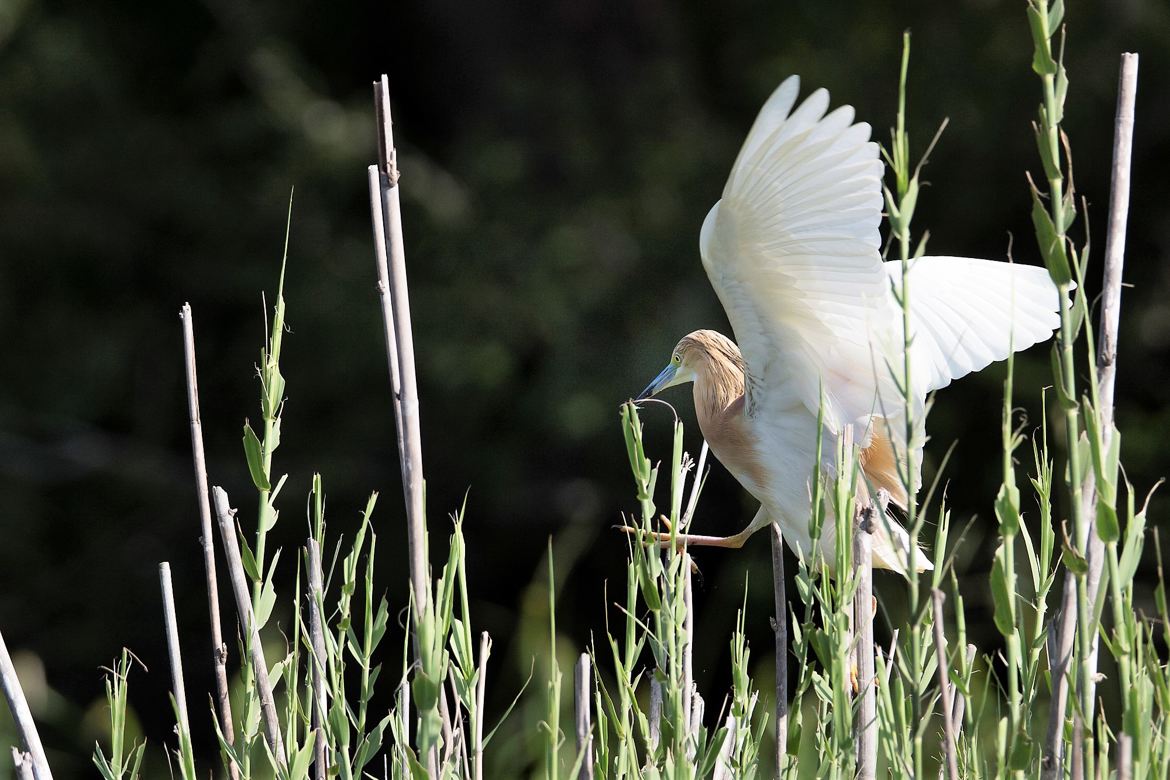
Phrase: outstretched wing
[966,314]
[792,250]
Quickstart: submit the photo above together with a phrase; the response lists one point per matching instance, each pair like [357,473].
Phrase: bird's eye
[675,359]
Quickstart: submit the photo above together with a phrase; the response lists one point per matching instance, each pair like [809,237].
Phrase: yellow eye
[676,359]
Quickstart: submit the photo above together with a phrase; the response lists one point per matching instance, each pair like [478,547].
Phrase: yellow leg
[694,540]
[698,540]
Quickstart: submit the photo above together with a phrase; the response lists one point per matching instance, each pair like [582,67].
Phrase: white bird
[793,252]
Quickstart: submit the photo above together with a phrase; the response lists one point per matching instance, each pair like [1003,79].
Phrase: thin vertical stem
[688,667]
[448,728]
[1060,661]
[390,254]
[723,769]
[485,650]
[392,286]
[552,754]
[1077,759]
[1125,749]
[1074,633]
[272,398]
[1110,315]
[780,629]
[175,657]
[865,726]
[1115,240]
[655,716]
[21,715]
[959,704]
[219,650]
[378,221]
[940,648]
[225,515]
[583,688]
[696,722]
[455,746]
[900,205]
[317,642]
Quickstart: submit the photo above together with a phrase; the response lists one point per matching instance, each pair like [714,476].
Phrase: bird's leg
[698,540]
[695,540]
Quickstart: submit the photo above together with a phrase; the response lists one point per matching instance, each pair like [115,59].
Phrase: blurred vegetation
[558,159]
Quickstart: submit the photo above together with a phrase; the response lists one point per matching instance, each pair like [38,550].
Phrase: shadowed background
[558,160]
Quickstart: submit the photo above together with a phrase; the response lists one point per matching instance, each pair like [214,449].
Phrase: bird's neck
[717,388]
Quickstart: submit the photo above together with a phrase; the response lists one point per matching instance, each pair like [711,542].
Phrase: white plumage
[793,252]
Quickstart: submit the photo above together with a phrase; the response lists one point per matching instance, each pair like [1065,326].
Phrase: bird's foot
[658,535]
[854,681]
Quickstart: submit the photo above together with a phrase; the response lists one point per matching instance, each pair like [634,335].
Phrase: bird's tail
[891,549]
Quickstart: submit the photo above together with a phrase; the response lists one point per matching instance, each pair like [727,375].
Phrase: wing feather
[792,251]
[967,313]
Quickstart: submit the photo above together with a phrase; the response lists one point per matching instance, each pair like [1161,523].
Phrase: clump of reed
[300,704]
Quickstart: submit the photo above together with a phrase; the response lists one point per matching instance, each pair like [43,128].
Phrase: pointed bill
[664,380]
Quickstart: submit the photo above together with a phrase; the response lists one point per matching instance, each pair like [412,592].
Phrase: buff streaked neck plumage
[718,369]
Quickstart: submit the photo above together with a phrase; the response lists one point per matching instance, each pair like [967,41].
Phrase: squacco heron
[793,252]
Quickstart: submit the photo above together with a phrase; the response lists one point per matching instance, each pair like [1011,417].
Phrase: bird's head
[695,356]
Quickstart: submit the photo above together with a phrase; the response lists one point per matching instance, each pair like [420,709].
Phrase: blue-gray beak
[660,381]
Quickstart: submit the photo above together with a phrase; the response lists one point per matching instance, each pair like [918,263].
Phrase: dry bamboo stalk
[485,650]
[865,727]
[849,466]
[392,289]
[231,547]
[688,651]
[22,716]
[1077,760]
[893,651]
[458,752]
[219,649]
[1110,315]
[1106,360]
[404,707]
[655,716]
[464,752]
[317,640]
[455,723]
[780,629]
[959,701]
[940,648]
[698,706]
[24,764]
[379,226]
[1061,641]
[723,768]
[1125,752]
[448,729]
[583,686]
[170,620]
[1115,240]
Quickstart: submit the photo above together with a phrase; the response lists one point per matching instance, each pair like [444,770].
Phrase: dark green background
[558,159]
